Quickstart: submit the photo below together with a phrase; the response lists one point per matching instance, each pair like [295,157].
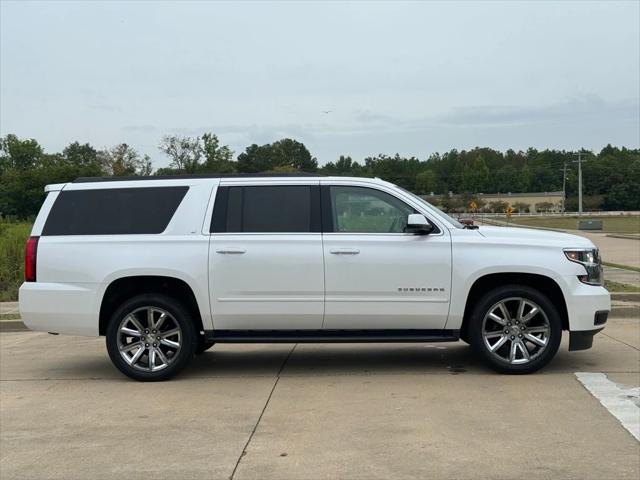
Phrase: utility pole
[579,161]
[564,186]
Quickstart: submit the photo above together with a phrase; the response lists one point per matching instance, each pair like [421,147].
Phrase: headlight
[589,258]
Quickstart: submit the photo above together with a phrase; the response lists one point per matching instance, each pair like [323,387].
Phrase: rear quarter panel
[74,271]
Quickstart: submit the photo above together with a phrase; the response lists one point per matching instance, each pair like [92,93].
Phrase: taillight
[30,256]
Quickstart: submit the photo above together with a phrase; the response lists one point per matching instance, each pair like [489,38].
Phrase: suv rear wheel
[516,329]
[151,337]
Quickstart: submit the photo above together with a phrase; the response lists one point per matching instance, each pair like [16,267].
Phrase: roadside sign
[473,205]
[509,211]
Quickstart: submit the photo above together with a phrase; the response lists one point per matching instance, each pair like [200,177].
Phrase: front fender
[472,262]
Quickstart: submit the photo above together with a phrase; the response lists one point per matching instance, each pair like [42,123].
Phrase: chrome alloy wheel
[516,330]
[149,339]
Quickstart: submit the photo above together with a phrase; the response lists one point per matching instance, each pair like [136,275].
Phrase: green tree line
[611,175]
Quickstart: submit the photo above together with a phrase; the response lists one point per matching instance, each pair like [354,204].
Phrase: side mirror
[418,224]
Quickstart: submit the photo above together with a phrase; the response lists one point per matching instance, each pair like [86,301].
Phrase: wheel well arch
[542,283]
[124,288]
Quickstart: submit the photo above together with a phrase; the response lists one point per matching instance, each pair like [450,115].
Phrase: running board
[330,336]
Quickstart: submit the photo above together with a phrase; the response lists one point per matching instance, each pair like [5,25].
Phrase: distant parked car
[465,220]
[166,267]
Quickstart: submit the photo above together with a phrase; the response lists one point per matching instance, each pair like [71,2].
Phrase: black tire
[203,345]
[484,306]
[179,316]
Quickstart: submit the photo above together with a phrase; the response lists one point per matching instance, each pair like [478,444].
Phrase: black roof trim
[179,177]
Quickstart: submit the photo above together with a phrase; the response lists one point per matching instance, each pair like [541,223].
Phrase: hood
[535,236]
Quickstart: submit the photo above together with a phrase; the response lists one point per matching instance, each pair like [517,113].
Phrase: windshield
[435,210]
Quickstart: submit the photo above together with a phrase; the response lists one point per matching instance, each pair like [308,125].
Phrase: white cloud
[398,77]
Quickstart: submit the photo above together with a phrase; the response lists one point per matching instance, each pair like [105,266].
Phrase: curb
[625,312]
[624,237]
[626,296]
[500,223]
[12,326]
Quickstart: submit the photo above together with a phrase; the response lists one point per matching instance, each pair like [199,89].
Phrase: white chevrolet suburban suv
[166,267]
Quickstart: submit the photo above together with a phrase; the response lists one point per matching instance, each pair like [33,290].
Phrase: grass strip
[624,267]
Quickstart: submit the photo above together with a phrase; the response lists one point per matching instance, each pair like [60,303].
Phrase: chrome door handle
[344,251]
[231,251]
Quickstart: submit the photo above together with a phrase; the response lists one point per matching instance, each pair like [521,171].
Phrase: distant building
[554,200]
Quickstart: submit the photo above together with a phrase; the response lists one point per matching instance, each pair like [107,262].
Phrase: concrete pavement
[312,411]
[9,308]
[614,249]
[623,251]
[621,275]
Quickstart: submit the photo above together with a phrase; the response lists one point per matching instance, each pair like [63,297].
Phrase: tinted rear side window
[267,209]
[113,211]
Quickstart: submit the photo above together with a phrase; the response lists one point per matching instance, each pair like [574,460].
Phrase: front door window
[365,210]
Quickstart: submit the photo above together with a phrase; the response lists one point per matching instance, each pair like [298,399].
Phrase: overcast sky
[412,78]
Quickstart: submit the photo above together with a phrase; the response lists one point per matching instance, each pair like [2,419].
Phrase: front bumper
[582,340]
[588,307]
[584,303]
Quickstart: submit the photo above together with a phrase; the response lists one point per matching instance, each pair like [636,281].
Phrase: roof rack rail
[192,175]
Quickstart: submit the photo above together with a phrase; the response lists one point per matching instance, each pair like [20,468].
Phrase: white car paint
[296,281]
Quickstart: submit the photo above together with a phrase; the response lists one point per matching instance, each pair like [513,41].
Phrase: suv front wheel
[151,337]
[516,329]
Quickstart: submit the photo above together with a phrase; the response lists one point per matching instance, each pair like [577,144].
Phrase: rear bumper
[66,308]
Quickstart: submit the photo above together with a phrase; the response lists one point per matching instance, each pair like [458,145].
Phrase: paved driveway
[616,250]
[312,411]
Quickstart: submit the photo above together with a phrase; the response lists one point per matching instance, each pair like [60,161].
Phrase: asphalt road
[312,411]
